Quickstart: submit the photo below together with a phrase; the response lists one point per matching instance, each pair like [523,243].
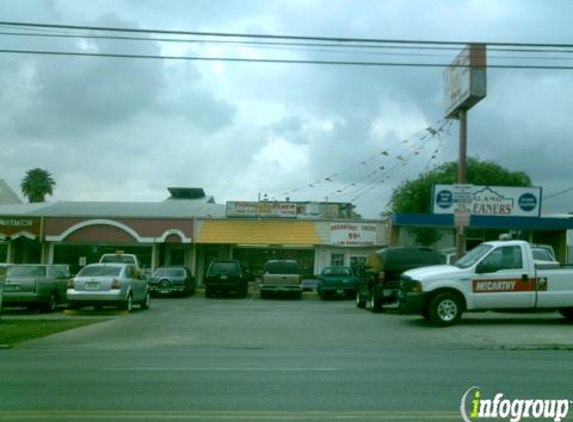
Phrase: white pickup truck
[499,275]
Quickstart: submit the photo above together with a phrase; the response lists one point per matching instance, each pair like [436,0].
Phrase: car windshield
[120,259]
[223,267]
[100,271]
[169,272]
[541,254]
[336,271]
[473,256]
[281,267]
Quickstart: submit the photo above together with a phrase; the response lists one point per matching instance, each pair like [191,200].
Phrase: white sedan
[99,285]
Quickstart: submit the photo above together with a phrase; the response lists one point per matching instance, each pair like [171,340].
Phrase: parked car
[281,276]
[379,282]
[543,255]
[99,285]
[170,280]
[224,276]
[336,280]
[36,285]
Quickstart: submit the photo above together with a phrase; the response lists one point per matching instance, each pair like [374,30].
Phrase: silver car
[99,285]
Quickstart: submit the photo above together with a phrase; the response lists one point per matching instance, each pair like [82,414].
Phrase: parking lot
[317,319]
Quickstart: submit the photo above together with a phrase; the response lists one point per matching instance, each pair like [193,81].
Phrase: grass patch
[14,331]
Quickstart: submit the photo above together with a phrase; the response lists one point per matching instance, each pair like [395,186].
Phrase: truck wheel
[375,303]
[146,302]
[360,302]
[567,313]
[51,305]
[445,309]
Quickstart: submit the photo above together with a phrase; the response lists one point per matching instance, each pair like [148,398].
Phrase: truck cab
[500,275]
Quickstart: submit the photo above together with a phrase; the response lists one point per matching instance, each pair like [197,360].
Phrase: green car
[336,281]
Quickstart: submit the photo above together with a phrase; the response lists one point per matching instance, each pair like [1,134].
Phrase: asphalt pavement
[278,360]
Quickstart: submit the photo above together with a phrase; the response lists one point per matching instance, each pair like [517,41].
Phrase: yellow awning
[257,232]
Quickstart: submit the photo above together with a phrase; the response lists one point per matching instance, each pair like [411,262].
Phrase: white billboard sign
[465,80]
[498,201]
[261,209]
[349,234]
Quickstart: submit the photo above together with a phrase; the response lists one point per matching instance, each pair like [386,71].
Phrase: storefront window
[337,259]
[357,262]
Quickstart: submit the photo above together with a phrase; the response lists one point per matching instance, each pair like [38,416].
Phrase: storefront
[156,242]
[20,239]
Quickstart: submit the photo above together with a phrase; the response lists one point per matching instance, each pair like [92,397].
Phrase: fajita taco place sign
[500,201]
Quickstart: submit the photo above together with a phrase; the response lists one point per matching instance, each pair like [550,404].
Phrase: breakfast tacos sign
[500,201]
[344,234]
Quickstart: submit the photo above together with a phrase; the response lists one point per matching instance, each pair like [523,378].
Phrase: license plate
[11,287]
[339,292]
[223,277]
[92,285]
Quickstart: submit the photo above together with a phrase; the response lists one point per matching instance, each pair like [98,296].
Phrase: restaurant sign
[501,201]
[345,234]
[261,209]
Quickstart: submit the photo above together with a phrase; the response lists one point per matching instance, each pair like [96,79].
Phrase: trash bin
[2,279]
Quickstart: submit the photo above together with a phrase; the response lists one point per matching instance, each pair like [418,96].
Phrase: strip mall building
[190,229]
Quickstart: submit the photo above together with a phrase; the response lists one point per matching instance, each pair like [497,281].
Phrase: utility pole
[462,174]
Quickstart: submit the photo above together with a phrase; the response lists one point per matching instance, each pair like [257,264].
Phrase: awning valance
[258,232]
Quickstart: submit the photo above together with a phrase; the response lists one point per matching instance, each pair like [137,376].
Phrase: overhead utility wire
[285,37]
[357,48]
[272,44]
[280,61]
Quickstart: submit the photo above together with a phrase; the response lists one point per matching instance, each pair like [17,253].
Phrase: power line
[284,37]
[389,50]
[278,61]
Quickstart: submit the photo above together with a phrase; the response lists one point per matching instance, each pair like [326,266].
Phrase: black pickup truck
[379,280]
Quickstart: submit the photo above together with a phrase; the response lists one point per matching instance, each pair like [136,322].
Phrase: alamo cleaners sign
[345,234]
[488,200]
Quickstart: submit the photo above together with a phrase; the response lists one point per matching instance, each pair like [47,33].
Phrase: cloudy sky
[126,129]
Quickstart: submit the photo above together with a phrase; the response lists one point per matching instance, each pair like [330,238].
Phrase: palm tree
[37,184]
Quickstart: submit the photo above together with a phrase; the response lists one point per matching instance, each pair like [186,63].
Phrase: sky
[125,129]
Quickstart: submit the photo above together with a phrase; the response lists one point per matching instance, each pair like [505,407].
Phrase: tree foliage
[415,196]
[37,184]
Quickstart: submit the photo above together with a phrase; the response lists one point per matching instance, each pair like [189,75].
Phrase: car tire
[374,303]
[146,302]
[128,304]
[360,302]
[51,305]
[445,309]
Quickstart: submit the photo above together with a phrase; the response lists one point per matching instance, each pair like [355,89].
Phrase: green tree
[415,196]
[37,184]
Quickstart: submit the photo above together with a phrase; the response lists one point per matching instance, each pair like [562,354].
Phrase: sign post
[465,86]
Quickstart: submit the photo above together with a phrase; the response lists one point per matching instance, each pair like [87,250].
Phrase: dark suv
[226,276]
[171,280]
[379,281]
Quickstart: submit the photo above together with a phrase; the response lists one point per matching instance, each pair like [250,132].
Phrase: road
[231,359]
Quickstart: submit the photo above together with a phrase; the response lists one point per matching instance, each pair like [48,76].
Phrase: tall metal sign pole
[465,86]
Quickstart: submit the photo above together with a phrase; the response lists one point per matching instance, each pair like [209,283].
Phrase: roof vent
[186,193]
